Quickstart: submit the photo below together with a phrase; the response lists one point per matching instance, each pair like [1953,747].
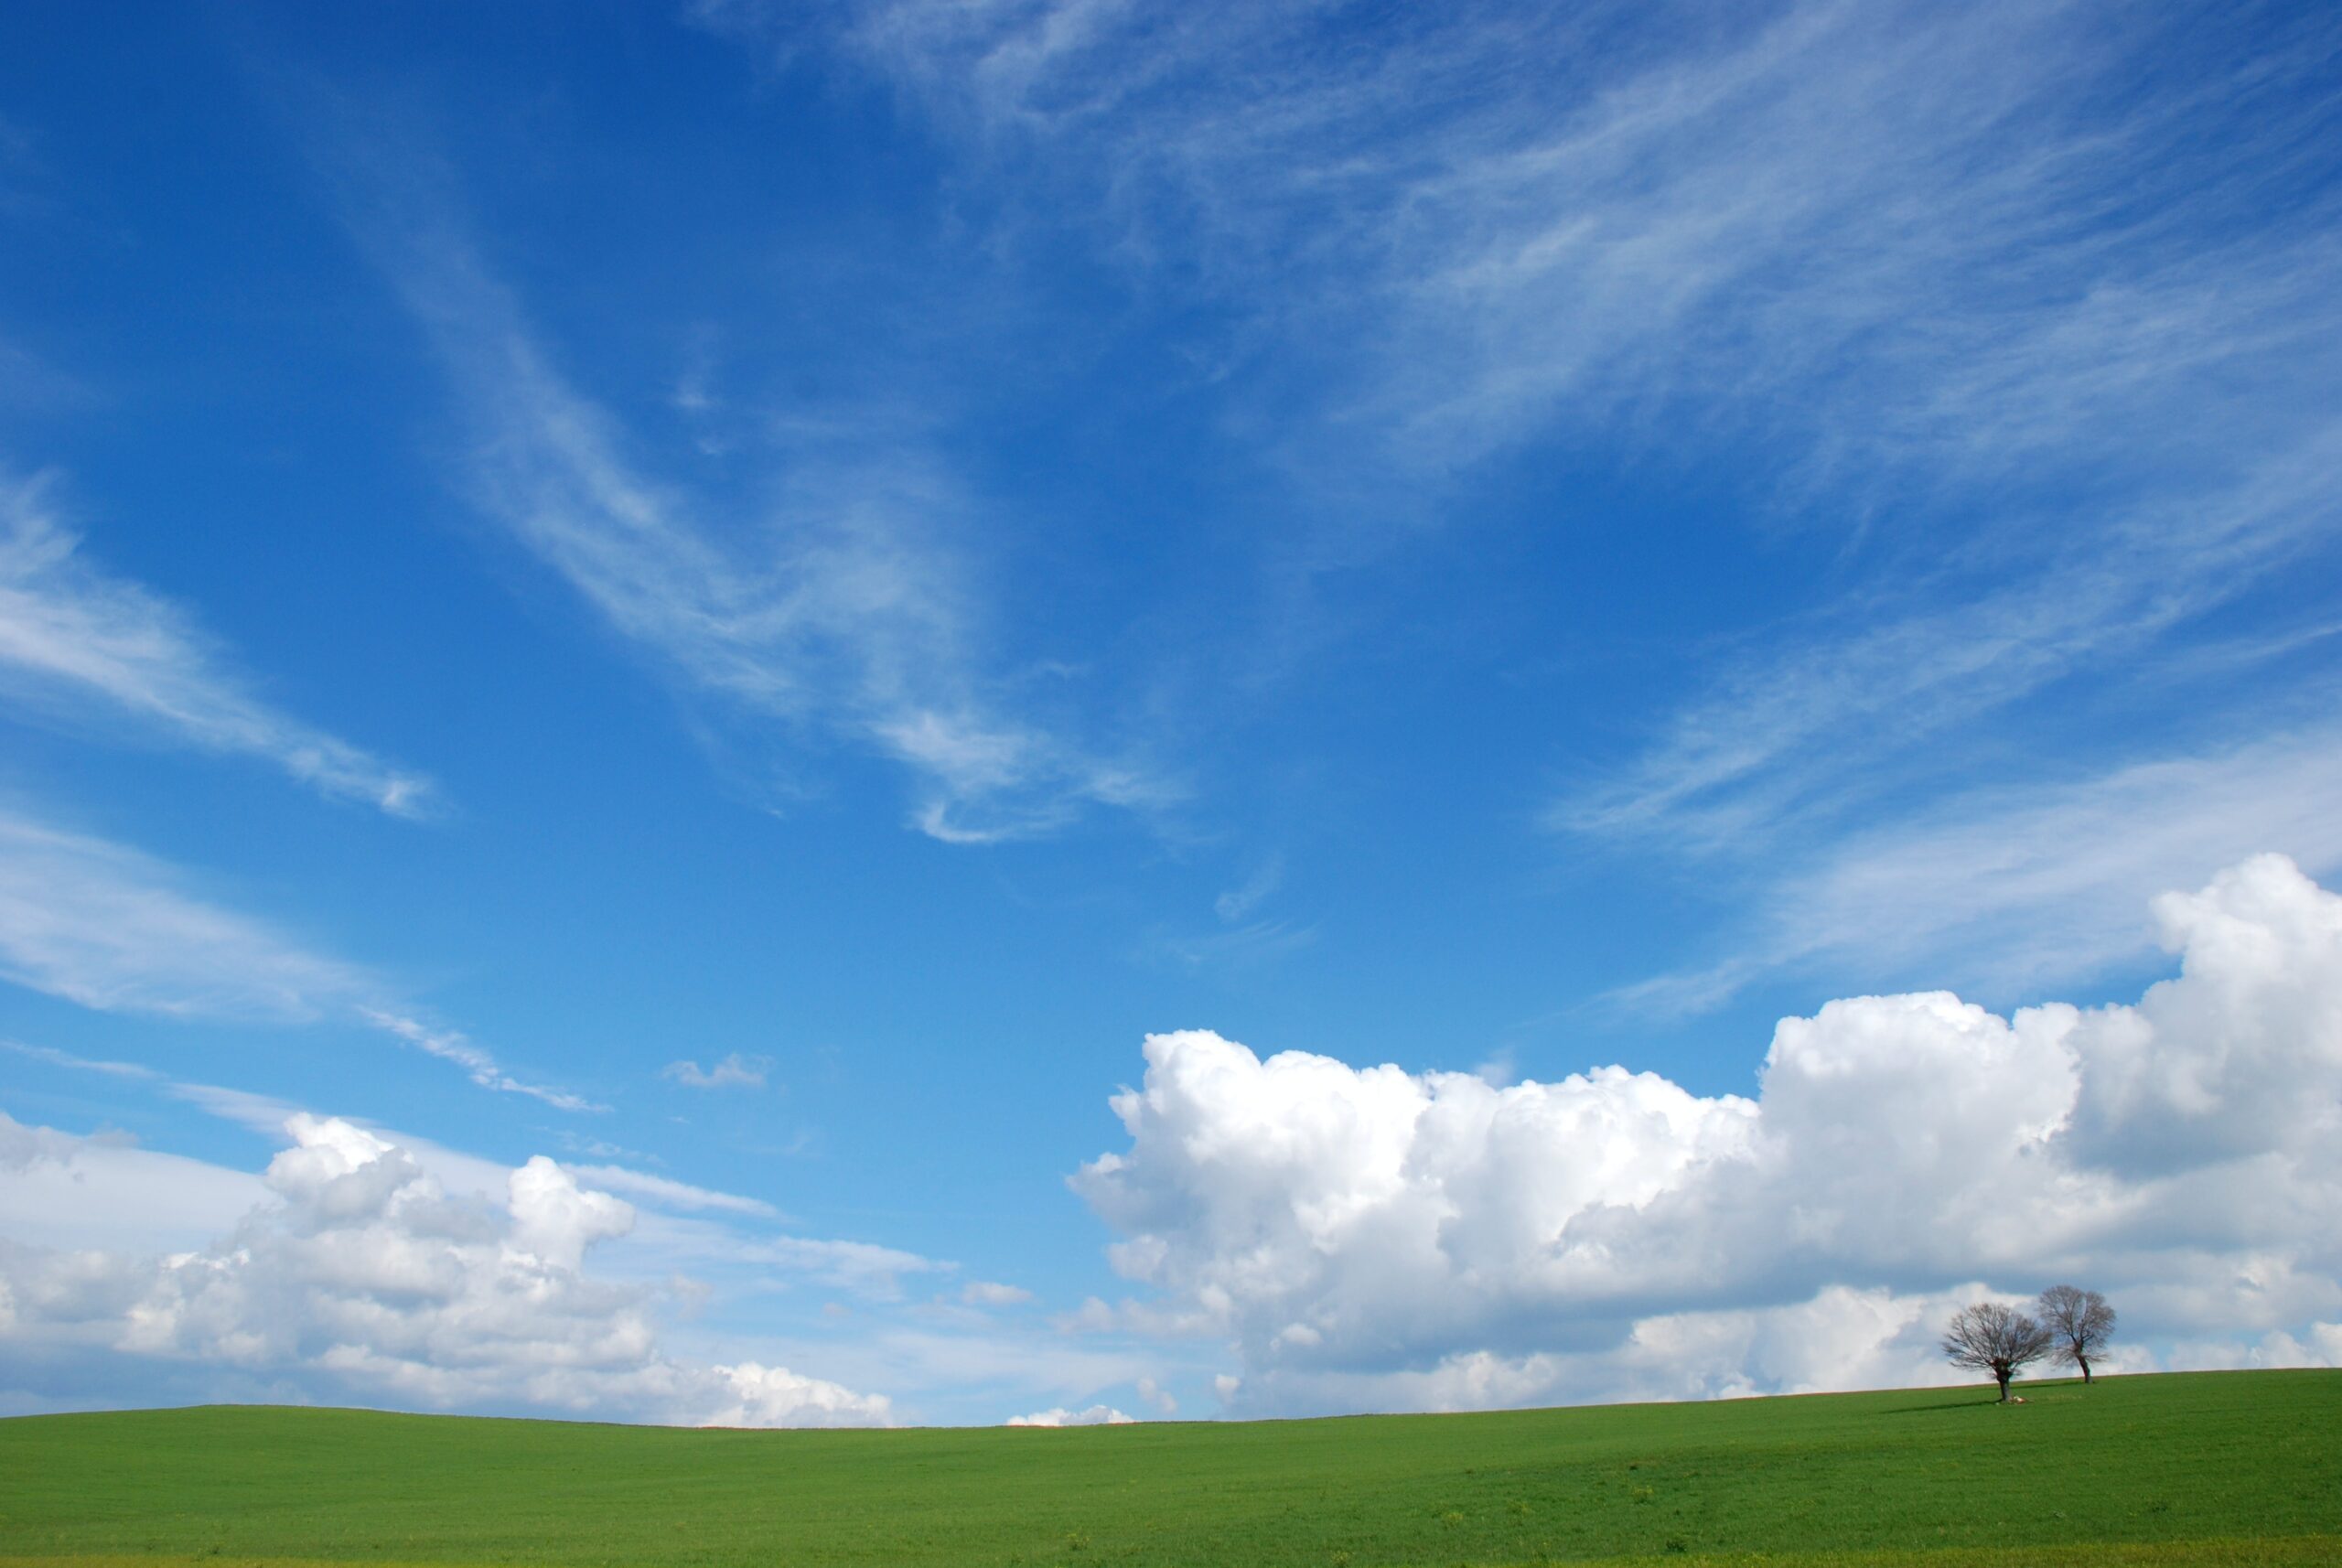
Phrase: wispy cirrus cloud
[481,1068]
[2029,311]
[52,1057]
[865,1268]
[1239,901]
[1867,233]
[458,1170]
[79,642]
[838,609]
[734,1071]
[2017,885]
[1243,937]
[1234,946]
[113,929]
[1801,727]
[672,1194]
[2002,298]
[2041,323]
[990,1293]
[2067,420]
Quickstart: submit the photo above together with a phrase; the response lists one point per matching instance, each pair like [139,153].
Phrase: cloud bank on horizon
[1373,1238]
[1376,1239]
[362,1278]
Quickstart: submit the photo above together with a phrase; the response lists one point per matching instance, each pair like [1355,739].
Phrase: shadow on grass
[1941,1409]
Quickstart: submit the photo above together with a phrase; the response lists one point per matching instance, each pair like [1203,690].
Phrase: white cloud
[1454,231]
[55,1058]
[361,1276]
[734,1071]
[1096,1415]
[775,1396]
[90,1193]
[989,1293]
[71,1194]
[261,1114]
[450,1045]
[1370,1237]
[2322,1346]
[1234,905]
[864,1267]
[77,641]
[109,928]
[1809,727]
[670,1193]
[1235,947]
[2099,430]
[2033,885]
[673,1239]
[112,930]
[1839,1339]
[460,1173]
[1589,218]
[961,1369]
[841,609]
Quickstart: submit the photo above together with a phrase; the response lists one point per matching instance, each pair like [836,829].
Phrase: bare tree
[1996,1339]
[2080,1321]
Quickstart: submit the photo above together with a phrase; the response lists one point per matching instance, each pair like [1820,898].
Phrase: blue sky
[748,598]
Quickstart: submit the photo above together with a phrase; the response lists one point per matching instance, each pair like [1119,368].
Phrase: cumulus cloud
[361,1276]
[75,640]
[734,1071]
[1372,1237]
[1096,1415]
[1158,1396]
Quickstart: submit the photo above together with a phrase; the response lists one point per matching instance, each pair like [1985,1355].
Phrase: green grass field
[2231,1468]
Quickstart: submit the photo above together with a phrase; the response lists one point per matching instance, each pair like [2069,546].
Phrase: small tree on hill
[1996,1339]
[2078,1321]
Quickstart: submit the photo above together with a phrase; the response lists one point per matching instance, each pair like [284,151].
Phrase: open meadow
[2237,1467]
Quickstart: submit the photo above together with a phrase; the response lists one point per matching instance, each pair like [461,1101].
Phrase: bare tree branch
[1996,1339]
[2080,1321]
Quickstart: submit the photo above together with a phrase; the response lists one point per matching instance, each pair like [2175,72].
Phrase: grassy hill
[2233,1468]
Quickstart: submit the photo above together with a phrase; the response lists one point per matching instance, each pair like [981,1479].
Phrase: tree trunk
[2085,1362]
[2002,1373]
